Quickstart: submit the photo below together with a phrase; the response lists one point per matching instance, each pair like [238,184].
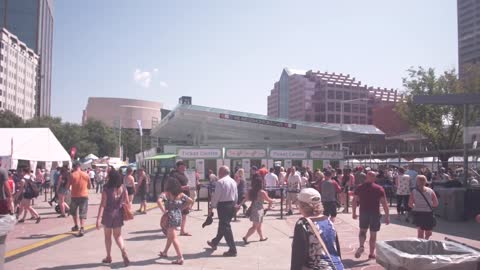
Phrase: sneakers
[81,232]
[214,247]
[38,220]
[230,254]
[359,252]
[75,228]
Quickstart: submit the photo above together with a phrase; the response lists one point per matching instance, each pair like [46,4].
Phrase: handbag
[317,234]
[433,215]
[126,209]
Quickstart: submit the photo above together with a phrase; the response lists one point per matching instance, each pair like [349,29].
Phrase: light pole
[341,117]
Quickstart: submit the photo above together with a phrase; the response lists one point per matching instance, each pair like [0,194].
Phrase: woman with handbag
[112,212]
[256,212]
[315,242]
[422,201]
[172,203]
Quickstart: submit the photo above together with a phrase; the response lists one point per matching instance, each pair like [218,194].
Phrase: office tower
[18,76]
[32,22]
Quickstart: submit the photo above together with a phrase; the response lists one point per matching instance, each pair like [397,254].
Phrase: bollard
[347,199]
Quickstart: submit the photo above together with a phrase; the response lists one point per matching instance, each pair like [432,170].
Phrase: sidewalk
[144,240]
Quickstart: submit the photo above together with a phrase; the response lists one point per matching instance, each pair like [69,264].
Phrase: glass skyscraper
[32,22]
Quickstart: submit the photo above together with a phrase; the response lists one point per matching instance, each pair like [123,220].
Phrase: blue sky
[228,54]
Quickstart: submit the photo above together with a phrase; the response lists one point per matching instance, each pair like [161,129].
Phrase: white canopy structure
[91,156]
[32,144]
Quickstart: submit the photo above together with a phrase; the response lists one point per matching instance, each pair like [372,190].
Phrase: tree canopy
[441,125]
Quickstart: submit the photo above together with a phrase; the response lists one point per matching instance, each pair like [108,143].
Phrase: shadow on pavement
[147,231]
[37,236]
[147,237]
[74,266]
[349,263]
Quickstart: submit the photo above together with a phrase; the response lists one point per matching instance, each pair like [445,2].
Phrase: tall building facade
[319,96]
[32,22]
[18,76]
[468,16]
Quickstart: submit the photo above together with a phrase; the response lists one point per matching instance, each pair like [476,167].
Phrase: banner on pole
[140,129]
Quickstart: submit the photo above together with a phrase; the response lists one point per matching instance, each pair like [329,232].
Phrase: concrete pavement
[32,246]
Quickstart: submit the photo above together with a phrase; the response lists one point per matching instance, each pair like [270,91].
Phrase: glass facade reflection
[32,22]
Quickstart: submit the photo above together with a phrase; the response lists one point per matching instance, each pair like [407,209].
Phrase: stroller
[67,201]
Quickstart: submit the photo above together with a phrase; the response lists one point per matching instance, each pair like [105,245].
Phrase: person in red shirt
[369,195]
[11,183]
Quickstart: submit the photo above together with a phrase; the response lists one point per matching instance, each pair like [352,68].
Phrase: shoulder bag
[317,234]
[126,209]
[433,214]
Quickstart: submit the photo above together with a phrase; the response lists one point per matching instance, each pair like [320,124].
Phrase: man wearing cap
[79,181]
[179,175]
[224,199]
[369,195]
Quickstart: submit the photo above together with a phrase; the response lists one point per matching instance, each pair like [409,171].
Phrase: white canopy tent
[32,144]
[91,156]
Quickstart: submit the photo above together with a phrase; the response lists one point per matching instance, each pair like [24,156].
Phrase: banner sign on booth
[288,154]
[199,153]
[320,154]
[257,121]
[200,166]
[246,167]
[246,153]
[192,181]
[288,163]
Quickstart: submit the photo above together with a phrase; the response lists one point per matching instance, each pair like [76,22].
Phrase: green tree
[441,125]
[102,136]
[10,120]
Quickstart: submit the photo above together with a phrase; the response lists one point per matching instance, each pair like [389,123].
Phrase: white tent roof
[36,144]
[91,156]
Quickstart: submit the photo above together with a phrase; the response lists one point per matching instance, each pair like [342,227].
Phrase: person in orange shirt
[79,181]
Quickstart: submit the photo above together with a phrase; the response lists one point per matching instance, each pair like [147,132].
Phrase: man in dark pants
[224,199]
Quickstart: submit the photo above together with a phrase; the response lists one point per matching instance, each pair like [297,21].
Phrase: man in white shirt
[293,188]
[91,174]
[224,199]
[271,181]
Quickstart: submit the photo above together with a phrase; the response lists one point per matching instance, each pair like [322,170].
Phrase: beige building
[115,112]
[18,76]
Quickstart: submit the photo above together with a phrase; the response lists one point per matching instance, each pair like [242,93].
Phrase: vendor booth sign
[329,155]
[288,154]
[246,153]
[199,153]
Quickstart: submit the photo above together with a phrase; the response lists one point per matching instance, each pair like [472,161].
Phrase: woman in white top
[422,201]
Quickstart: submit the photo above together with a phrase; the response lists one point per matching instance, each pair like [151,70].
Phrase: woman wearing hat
[315,242]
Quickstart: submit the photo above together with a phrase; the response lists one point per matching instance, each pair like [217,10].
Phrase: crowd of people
[316,195]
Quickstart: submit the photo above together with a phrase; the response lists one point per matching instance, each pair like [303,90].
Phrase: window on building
[337,118]
[363,108]
[355,120]
[354,95]
[331,94]
[363,120]
[338,107]
[347,107]
[355,108]
[331,118]
[346,119]
[339,95]
[331,106]
[347,95]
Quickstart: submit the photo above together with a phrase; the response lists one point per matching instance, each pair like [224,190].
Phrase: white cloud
[155,70]
[143,78]
[163,84]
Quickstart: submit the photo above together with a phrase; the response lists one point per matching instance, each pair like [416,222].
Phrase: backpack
[31,188]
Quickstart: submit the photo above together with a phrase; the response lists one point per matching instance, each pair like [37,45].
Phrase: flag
[140,129]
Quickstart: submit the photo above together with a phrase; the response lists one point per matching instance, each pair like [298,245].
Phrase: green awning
[162,156]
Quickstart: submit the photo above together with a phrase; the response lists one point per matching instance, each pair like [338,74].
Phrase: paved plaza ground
[50,246]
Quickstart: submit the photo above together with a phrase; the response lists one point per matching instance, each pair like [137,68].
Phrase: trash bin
[451,203]
[420,254]
[7,223]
